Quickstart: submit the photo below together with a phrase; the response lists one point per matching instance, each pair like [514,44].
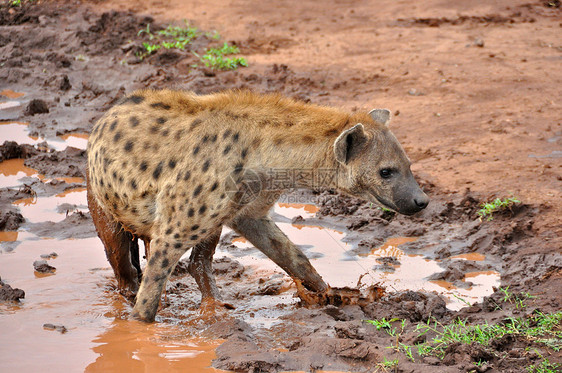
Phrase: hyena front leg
[265,235]
[163,258]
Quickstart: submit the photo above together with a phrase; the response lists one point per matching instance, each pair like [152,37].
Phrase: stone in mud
[64,84]
[272,286]
[59,328]
[36,106]
[11,150]
[10,220]
[41,266]
[49,256]
[412,305]
[7,293]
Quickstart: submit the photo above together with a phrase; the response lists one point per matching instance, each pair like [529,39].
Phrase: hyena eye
[385,173]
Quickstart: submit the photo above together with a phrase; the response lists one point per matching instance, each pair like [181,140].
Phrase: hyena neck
[309,166]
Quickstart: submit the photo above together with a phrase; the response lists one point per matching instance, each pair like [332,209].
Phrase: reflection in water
[19,132]
[477,257]
[8,236]
[139,347]
[12,170]
[54,208]
[11,94]
[291,210]
[76,140]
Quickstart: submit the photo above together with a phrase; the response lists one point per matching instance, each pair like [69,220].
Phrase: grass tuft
[496,205]
[215,58]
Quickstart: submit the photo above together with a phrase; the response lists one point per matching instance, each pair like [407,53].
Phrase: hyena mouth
[383,202]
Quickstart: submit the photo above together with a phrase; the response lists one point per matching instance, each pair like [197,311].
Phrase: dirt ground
[475,90]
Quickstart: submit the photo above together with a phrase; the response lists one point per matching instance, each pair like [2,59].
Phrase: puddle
[12,170]
[11,94]
[477,257]
[10,236]
[339,266]
[292,210]
[76,140]
[77,298]
[19,132]
[54,208]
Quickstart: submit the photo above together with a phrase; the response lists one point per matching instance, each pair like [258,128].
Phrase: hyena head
[376,168]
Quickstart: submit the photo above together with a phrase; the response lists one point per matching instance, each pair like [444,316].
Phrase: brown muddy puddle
[18,132]
[80,295]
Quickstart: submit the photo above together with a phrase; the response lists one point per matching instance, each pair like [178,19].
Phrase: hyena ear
[350,143]
[380,115]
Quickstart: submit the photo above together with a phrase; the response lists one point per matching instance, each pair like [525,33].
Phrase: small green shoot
[386,324]
[213,35]
[387,365]
[496,205]
[215,58]
[545,329]
[172,37]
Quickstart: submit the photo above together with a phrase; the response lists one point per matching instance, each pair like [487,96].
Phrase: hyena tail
[121,247]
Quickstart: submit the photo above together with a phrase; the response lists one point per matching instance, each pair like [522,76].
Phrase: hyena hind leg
[121,248]
[201,269]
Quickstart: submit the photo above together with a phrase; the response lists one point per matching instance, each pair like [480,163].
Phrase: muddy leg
[163,259]
[201,268]
[119,245]
[264,234]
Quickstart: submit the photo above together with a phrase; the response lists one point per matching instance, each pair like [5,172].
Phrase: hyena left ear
[380,115]
[350,143]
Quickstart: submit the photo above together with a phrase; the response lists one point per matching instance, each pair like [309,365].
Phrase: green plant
[518,300]
[544,366]
[498,204]
[386,324]
[215,58]
[545,329]
[172,37]
[387,365]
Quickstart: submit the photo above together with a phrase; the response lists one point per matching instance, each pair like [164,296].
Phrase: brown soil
[474,87]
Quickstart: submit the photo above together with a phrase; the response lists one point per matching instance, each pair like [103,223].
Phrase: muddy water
[18,132]
[80,295]
[13,170]
[335,261]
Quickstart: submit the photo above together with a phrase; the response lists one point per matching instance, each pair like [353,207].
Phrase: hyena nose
[421,202]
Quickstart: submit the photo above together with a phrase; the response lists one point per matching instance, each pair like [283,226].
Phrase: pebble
[58,328]
[49,256]
[42,266]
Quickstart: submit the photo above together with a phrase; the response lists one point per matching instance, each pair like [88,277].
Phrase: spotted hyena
[173,167]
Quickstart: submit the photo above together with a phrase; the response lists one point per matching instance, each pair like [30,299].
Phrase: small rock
[64,84]
[388,260]
[297,219]
[479,42]
[37,107]
[271,287]
[49,256]
[415,92]
[42,266]
[58,328]
[10,294]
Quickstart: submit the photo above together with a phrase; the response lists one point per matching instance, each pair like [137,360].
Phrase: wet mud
[441,264]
